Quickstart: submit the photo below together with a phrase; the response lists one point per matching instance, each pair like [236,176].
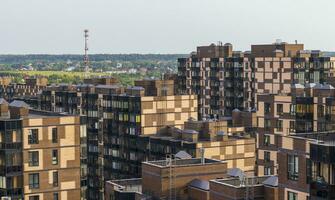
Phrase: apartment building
[29,90]
[309,108]
[235,188]
[42,154]
[166,179]
[116,116]
[220,77]
[194,179]
[306,166]
[213,139]
[226,79]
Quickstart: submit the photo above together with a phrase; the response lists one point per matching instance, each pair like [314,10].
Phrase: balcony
[320,190]
[323,152]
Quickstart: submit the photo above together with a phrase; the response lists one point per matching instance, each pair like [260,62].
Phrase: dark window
[279,109]
[267,108]
[54,135]
[292,196]
[293,167]
[34,181]
[321,111]
[35,197]
[55,179]
[33,158]
[54,156]
[280,125]
[55,196]
[33,136]
[267,156]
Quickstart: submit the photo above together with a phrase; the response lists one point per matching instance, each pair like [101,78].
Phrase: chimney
[18,109]
[3,108]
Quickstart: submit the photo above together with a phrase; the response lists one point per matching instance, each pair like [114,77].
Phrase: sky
[161,26]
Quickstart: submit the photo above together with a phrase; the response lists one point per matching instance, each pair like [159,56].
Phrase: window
[267,108]
[34,181]
[279,109]
[266,140]
[267,124]
[292,126]
[292,109]
[293,167]
[35,197]
[267,171]
[55,196]
[279,125]
[33,136]
[55,179]
[54,135]
[33,158]
[54,156]
[138,118]
[267,156]
[292,196]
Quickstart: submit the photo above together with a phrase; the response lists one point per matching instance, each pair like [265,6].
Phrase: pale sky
[161,26]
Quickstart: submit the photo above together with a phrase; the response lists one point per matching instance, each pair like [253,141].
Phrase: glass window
[138,118]
[54,135]
[292,109]
[292,126]
[267,171]
[279,125]
[267,108]
[279,109]
[266,140]
[35,197]
[34,181]
[33,158]
[293,167]
[267,156]
[56,196]
[54,156]
[33,136]
[267,124]
[292,196]
[55,179]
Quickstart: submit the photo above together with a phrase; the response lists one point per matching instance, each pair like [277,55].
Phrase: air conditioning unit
[6,198]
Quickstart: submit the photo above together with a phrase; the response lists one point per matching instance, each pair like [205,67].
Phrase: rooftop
[255,181]
[127,185]
[183,162]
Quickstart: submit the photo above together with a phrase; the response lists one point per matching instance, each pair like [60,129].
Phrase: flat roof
[127,185]
[249,181]
[183,162]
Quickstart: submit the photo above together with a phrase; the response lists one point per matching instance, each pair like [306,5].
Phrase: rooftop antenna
[86,61]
